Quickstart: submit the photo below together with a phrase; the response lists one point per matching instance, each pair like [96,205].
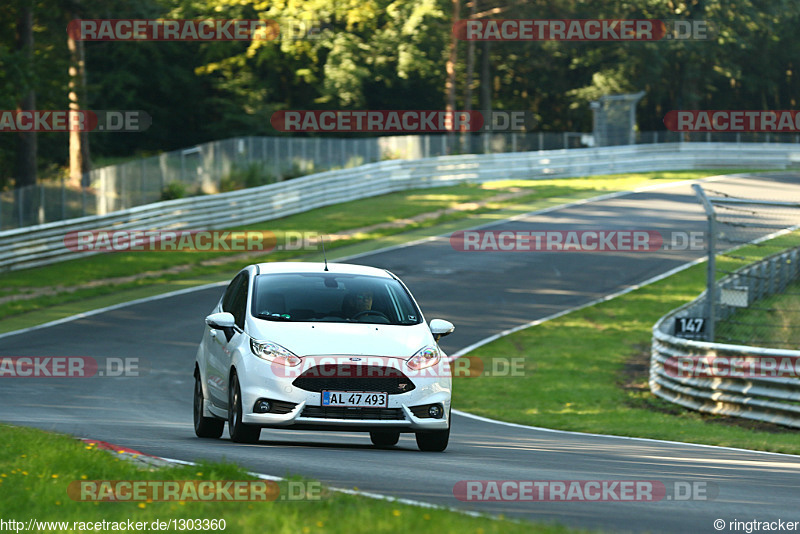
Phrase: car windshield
[332,297]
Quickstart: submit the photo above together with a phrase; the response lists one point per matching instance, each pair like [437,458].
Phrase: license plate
[355,399]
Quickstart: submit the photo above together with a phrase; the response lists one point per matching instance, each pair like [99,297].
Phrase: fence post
[122,190]
[41,217]
[290,153]
[711,284]
[276,158]
[21,204]
[63,200]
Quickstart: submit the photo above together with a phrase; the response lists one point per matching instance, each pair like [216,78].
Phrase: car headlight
[425,357]
[274,353]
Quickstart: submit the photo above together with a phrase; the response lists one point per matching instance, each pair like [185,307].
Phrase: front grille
[336,412]
[370,378]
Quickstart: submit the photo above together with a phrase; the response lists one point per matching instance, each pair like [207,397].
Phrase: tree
[26,147]
[79,159]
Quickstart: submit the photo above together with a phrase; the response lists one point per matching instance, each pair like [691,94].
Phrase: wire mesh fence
[758,305]
[251,161]
[614,119]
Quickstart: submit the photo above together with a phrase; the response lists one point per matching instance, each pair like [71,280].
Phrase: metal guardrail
[732,391]
[212,167]
[43,244]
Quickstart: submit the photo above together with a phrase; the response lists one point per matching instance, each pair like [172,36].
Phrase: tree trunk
[25,197]
[450,83]
[79,159]
[486,83]
[26,151]
[467,136]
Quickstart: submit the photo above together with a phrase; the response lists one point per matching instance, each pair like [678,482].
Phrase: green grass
[36,469]
[65,278]
[587,371]
[769,322]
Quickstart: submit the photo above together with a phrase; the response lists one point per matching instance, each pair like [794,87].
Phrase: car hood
[306,339]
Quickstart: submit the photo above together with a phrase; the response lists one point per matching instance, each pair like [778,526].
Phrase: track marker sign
[690,327]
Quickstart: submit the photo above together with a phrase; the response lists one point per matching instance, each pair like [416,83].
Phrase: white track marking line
[490,338]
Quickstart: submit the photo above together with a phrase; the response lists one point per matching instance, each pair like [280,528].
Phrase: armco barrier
[752,395]
[43,244]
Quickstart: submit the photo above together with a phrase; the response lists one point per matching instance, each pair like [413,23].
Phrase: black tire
[435,441]
[240,432]
[204,427]
[384,439]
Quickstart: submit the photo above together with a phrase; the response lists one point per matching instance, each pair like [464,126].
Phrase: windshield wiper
[274,316]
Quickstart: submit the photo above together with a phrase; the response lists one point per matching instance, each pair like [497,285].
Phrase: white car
[320,346]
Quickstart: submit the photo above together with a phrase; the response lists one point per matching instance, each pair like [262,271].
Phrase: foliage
[252,175]
[173,190]
[389,54]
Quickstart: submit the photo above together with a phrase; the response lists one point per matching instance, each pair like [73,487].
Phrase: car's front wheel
[384,439]
[240,432]
[435,441]
[204,427]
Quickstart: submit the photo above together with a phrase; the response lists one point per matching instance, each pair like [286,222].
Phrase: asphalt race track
[482,293]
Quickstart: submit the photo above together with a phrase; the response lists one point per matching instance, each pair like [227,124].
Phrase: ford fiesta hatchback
[322,347]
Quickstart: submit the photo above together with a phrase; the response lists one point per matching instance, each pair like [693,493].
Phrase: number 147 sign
[690,327]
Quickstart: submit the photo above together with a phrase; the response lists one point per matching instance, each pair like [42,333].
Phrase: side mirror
[441,328]
[221,321]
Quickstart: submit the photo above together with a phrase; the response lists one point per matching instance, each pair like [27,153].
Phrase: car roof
[311,267]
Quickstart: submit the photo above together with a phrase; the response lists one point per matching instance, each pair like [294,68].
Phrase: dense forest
[371,54]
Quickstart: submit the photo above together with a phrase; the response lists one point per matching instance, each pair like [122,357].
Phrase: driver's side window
[239,302]
[230,292]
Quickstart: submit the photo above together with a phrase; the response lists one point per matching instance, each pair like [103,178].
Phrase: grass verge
[36,469]
[587,371]
[78,285]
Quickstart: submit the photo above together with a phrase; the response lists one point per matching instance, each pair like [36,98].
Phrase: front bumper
[308,412]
